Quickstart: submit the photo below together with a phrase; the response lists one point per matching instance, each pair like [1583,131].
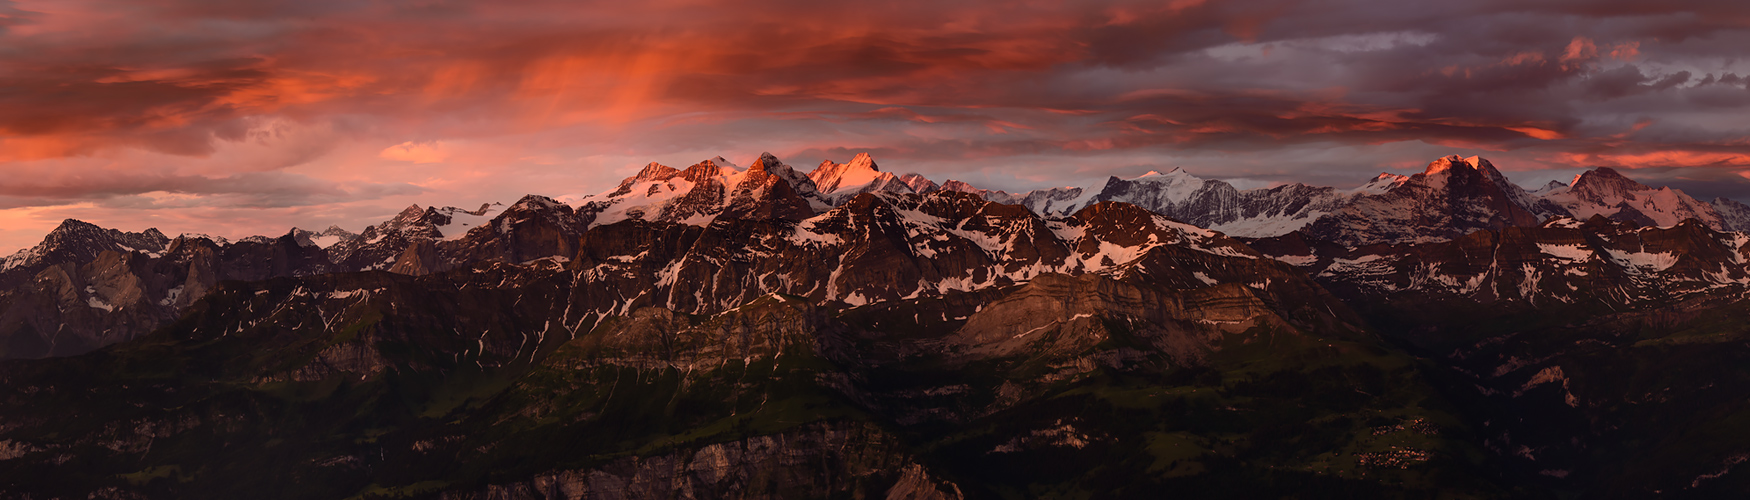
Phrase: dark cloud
[160,191]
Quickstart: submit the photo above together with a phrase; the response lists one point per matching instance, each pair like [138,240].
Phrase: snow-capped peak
[1172,175]
[863,162]
[1605,183]
[654,171]
[326,238]
[1551,187]
[1447,163]
[918,183]
[832,177]
[1174,186]
[457,222]
[1604,191]
[721,162]
[839,182]
[1381,183]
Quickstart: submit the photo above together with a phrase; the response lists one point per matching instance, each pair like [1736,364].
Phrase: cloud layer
[251,117]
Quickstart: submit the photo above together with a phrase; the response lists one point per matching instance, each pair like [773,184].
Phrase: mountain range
[718,332]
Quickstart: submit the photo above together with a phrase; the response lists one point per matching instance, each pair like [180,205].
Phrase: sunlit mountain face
[929,250]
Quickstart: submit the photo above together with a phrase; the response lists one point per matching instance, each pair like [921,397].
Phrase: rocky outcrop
[1062,317]
[817,461]
[654,337]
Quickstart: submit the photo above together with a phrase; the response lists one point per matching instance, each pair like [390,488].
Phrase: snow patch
[1297,260]
[1574,253]
[171,295]
[1642,260]
[97,303]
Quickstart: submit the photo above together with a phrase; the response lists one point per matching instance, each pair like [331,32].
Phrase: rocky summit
[717,331]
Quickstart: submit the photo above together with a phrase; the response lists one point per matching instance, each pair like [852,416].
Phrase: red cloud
[430,94]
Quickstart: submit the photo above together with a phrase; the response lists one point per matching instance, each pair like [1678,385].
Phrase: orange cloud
[1660,158]
[416,152]
[1580,49]
[1626,51]
[1539,133]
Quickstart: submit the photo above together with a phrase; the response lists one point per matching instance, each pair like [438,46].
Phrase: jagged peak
[961,186]
[706,170]
[1449,162]
[863,160]
[74,225]
[534,202]
[655,171]
[722,162]
[860,171]
[918,183]
[766,162]
[1440,170]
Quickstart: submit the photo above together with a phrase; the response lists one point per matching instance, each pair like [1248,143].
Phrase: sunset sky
[241,118]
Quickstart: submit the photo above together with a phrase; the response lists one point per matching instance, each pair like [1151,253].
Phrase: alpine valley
[845,332]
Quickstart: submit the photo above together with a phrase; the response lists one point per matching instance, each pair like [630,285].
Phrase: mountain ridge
[724,331]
